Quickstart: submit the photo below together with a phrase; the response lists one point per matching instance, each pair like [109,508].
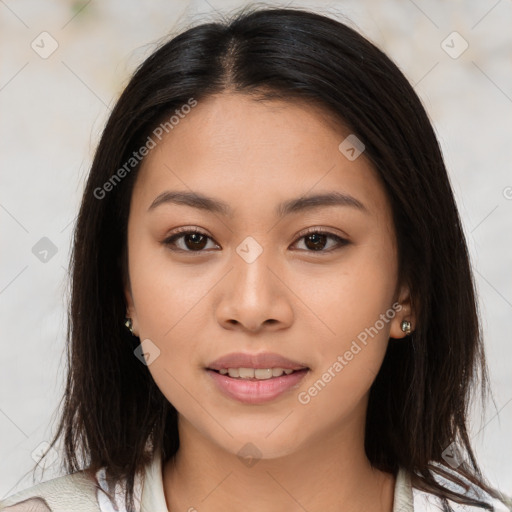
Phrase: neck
[329,474]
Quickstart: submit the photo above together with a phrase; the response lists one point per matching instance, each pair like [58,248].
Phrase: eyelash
[170,241]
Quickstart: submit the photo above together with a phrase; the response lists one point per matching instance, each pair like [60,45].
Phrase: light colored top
[78,493]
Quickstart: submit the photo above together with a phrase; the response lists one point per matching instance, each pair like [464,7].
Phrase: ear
[404,311]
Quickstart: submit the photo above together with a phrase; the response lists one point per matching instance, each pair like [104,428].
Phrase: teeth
[254,373]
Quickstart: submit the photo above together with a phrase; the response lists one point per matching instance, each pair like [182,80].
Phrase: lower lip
[256,391]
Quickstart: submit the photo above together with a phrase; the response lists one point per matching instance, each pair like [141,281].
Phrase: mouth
[256,385]
[255,378]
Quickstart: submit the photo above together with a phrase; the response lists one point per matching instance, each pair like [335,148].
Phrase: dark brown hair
[113,414]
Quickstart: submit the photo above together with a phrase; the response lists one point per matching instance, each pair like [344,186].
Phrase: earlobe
[131,315]
[404,322]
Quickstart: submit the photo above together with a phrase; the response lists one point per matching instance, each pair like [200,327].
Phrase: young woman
[269,213]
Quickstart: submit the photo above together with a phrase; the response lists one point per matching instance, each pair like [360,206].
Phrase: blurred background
[63,63]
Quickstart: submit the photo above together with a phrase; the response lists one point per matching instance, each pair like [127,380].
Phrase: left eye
[195,241]
[316,240]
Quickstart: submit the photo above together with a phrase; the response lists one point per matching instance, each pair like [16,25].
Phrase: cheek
[356,310]
[166,293]
[337,389]
[360,315]
[350,296]
[169,306]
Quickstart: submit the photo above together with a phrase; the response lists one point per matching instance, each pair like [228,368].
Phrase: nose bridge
[251,261]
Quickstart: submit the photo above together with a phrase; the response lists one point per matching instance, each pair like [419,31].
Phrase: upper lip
[261,360]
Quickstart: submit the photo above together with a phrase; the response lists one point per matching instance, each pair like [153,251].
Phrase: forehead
[251,152]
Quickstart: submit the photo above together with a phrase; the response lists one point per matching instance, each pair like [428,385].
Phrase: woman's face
[255,281]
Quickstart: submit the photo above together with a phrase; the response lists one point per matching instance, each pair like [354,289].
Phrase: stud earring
[129,325]
[406,327]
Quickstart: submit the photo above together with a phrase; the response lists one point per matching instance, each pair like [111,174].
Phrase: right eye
[193,240]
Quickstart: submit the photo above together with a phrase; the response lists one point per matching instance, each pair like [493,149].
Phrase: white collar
[153,497]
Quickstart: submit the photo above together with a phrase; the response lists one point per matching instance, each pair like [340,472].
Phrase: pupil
[196,240]
[314,238]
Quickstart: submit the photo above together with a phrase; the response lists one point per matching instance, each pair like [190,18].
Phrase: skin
[198,307]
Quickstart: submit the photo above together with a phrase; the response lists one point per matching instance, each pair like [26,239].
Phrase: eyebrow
[299,204]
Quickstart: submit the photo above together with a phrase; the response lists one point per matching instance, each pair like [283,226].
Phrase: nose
[253,296]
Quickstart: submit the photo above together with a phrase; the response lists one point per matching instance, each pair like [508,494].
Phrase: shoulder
[76,492]
[424,501]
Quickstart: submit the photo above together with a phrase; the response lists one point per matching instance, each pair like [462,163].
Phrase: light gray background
[52,114]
